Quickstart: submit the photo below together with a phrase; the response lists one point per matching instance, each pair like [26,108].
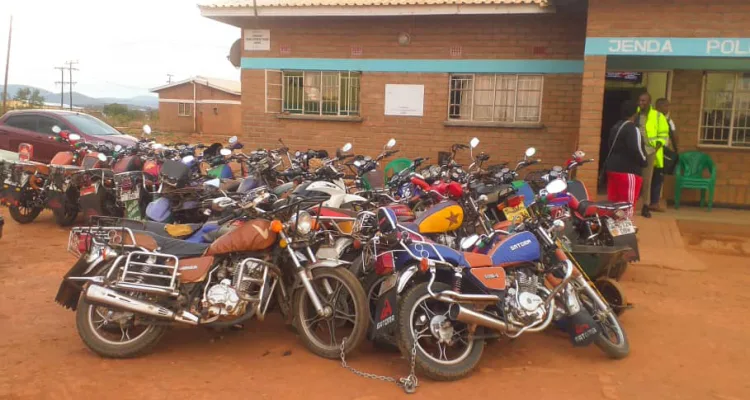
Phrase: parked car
[36,128]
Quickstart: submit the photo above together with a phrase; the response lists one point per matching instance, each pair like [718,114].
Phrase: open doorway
[621,86]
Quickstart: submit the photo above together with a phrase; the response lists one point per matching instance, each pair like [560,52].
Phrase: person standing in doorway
[655,132]
[657,181]
[627,157]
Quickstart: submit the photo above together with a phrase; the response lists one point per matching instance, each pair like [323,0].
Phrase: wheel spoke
[332,331]
[338,314]
[426,309]
[125,333]
[442,348]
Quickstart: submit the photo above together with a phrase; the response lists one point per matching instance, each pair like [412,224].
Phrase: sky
[123,47]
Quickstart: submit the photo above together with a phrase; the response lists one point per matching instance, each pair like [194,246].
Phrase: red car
[36,128]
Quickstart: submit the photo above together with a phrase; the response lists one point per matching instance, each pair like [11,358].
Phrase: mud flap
[631,241]
[582,328]
[385,316]
[92,201]
[68,293]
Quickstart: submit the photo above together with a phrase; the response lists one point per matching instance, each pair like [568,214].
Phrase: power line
[70,80]
[61,82]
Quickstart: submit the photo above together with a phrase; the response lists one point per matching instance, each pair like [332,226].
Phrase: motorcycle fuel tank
[514,249]
[444,217]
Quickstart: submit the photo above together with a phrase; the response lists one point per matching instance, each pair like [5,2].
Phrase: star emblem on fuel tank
[452,219]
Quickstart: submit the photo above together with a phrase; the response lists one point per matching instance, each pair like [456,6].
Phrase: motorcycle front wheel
[23,214]
[444,350]
[112,333]
[347,318]
[612,339]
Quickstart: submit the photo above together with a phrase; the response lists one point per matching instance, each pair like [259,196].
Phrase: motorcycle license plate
[132,194]
[516,213]
[618,228]
[88,190]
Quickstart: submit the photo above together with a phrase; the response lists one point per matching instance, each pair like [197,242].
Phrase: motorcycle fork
[305,278]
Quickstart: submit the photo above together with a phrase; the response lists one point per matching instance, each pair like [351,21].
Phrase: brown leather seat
[476,260]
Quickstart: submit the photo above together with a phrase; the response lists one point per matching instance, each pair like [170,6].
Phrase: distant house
[200,105]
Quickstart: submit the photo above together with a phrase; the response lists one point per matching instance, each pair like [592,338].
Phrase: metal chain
[409,383]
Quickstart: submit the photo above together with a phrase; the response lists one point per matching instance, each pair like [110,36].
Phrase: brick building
[201,105]
[514,73]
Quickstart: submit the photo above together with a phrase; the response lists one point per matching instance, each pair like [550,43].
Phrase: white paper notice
[406,100]
[257,39]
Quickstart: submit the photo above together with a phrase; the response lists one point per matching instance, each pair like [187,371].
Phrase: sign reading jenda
[691,47]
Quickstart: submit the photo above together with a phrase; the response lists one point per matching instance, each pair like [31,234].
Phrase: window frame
[31,117]
[701,117]
[60,124]
[185,105]
[493,123]
[350,113]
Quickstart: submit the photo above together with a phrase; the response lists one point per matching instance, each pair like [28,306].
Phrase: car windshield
[90,125]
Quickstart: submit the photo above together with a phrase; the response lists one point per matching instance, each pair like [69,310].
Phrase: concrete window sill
[334,118]
[478,124]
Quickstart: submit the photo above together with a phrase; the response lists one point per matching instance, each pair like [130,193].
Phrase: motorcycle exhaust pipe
[465,315]
[100,294]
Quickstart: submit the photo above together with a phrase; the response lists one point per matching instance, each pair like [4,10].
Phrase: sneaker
[655,208]
[646,212]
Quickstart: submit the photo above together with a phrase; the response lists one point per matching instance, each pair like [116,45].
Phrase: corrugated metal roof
[225,85]
[350,3]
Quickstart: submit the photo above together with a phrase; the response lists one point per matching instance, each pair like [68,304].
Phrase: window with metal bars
[184,109]
[496,98]
[320,92]
[725,115]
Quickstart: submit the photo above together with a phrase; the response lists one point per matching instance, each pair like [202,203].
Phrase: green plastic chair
[395,167]
[689,175]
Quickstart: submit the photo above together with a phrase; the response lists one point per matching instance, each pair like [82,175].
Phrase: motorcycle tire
[65,217]
[426,365]
[603,342]
[361,318]
[142,344]
[18,216]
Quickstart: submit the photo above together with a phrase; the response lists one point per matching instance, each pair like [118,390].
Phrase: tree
[115,110]
[36,100]
[23,95]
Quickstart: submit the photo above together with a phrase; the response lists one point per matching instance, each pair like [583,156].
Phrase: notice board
[404,100]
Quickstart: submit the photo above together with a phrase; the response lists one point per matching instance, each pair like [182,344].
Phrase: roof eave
[220,13]
[198,81]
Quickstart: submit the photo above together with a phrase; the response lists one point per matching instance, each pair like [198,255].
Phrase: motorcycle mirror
[56,129]
[146,129]
[469,242]
[556,186]
[118,148]
[347,147]
[233,140]
[215,183]
[74,137]
[297,153]
[101,157]
[579,154]
[358,163]
[530,152]
[187,159]
[474,142]
[225,152]
[390,143]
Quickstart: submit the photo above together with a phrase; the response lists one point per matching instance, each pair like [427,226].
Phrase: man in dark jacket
[626,158]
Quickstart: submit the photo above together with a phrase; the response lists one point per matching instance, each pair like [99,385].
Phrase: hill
[82,100]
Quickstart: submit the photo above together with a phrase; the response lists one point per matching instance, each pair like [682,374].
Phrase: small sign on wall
[257,39]
[404,100]
[285,49]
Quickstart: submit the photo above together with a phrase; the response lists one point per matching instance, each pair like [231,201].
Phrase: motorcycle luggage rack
[149,272]
[102,231]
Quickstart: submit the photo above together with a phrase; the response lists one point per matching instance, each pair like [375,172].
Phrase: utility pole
[7,64]
[169,78]
[70,80]
[61,82]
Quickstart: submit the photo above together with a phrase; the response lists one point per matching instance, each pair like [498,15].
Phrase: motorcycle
[128,286]
[447,303]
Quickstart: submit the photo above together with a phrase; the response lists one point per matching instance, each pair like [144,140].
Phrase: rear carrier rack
[102,231]
[149,272]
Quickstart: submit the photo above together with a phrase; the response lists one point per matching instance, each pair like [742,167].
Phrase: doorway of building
[621,86]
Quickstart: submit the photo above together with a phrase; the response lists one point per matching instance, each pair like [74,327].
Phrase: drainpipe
[195,110]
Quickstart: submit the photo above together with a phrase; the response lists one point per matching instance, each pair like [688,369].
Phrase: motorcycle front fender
[335,251]
[327,264]
[404,278]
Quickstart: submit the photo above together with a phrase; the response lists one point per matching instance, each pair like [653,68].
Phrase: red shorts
[623,187]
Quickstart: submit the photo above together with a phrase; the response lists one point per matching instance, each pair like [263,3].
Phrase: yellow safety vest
[657,131]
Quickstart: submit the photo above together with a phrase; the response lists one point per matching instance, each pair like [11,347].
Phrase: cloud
[123,47]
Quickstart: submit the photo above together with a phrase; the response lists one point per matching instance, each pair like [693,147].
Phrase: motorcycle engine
[522,302]
[446,240]
[222,299]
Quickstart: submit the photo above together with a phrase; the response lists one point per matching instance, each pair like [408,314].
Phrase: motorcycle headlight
[302,222]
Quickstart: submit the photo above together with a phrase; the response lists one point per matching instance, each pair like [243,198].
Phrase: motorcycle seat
[589,208]
[175,247]
[159,228]
[476,260]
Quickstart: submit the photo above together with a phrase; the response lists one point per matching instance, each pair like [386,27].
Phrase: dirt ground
[688,334]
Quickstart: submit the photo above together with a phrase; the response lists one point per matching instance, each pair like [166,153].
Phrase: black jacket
[627,150]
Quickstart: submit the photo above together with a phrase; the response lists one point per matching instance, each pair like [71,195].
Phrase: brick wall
[214,119]
[496,37]
[592,98]
[668,18]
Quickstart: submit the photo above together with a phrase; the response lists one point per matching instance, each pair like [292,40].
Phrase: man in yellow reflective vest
[655,130]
